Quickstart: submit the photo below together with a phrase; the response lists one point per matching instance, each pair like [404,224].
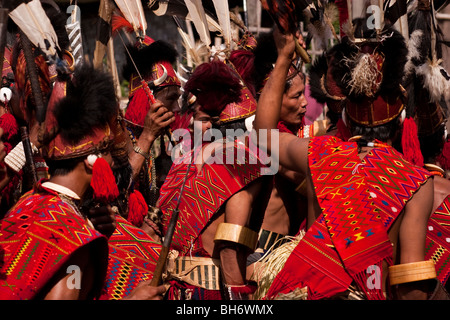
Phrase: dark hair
[62,167]
[385,132]
[432,145]
[90,103]
[234,125]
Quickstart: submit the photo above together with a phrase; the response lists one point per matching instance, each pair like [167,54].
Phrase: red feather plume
[118,22]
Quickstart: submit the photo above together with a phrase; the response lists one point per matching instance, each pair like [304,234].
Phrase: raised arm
[288,150]
[269,104]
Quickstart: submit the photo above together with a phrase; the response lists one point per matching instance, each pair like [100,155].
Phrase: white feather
[189,46]
[134,13]
[223,14]
[198,16]
[34,22]
[213,26]
[436,84]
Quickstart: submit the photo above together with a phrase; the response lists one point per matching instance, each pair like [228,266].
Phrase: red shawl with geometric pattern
[205,192]
[132,258]
[437,245]
[359,201]
[37,237]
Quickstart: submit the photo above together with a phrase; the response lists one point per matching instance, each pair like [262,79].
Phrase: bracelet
[411,272]
[138,150]
[236,233]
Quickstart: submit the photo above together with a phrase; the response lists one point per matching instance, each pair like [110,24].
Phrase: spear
[161,263]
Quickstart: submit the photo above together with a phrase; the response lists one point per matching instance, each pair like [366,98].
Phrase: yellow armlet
[410,272]
[236,233]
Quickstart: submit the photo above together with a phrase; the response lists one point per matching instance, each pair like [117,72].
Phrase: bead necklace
[364,143]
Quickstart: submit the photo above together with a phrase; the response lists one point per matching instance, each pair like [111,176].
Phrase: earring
[5,94]
[403,115]
[91,159]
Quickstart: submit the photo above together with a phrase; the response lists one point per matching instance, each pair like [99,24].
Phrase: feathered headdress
[79,115]
[132,18]
[322,83]
[216,20]
[320,20]
[34,22]
[41,55]
[215,85]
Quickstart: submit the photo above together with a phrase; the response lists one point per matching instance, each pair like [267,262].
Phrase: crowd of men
[195,188]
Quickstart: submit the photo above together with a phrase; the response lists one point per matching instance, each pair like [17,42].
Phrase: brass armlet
[236,233]
[410,272]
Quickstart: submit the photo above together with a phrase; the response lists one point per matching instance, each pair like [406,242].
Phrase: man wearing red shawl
[50,250]
[149,126]
[368,207]
[221,208]
[286,208]
[45,233]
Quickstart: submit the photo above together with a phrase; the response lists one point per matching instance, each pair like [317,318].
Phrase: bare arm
[233,257]
[412,236]
[63,285]
[413,227]
[269,104]
[288,149]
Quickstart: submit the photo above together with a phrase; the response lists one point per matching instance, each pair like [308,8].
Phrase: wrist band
[410,272]
[236,233]
[138,150]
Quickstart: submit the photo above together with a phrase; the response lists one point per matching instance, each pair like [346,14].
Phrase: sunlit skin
[294,103]
[293,109]
[408,232]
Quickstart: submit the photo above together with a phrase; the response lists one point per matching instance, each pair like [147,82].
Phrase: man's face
[169,95]
[202,120]
[294,103]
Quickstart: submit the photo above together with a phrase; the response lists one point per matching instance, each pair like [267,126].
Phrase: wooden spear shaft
[160,265]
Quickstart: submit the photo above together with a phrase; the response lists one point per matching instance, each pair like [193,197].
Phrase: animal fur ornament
[366,76]
[435,79]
